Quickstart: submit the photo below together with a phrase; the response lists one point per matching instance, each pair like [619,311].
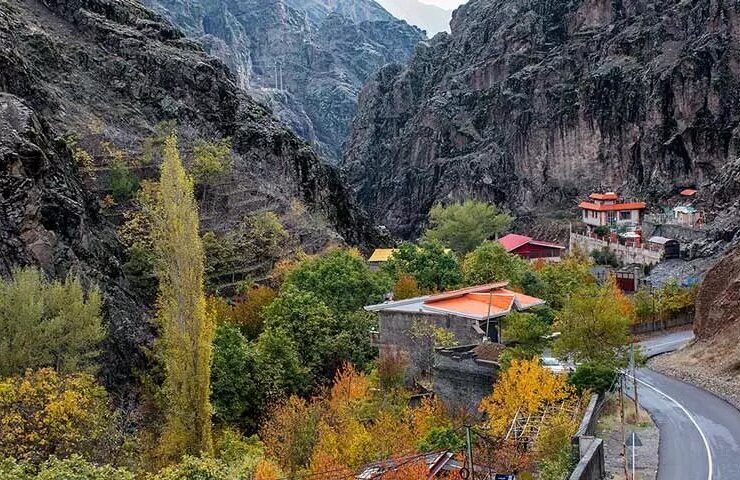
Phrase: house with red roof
[530,249]
[469,314]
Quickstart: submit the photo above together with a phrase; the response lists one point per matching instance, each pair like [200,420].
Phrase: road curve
[699,432]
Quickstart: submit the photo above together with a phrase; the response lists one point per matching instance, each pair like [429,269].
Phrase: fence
[683,318]
[589,450]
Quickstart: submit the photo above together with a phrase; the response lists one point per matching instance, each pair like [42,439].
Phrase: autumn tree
[406,287]
[524,387]
[186,330]
[432,266]
[594,326]
[490,262]
[44,414]
[290,432]
[47,324]
[210,160]
[528,334]
[464,226]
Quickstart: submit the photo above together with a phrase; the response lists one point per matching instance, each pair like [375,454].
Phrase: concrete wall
[393,336]
[588,450]
[461,381]
[681,233]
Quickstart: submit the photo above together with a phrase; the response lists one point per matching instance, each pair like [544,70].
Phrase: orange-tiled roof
[689,192]
[613,207]
[604,196]
[481,302]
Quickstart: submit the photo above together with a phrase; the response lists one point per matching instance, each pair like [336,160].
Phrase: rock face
[307,58]
[718,301]
[114,69]
[48,219]
[532,103]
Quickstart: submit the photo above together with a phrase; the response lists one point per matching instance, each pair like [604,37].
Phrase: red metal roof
[613,207]
[513,241]
[604,196]
[689,192]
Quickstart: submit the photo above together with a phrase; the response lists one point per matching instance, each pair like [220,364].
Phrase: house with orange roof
[469,314]
[607,209]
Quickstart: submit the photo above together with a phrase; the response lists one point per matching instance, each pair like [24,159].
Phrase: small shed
[670,247]
[379,257]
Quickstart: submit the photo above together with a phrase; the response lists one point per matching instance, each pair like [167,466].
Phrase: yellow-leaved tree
[524,387]
[186,329]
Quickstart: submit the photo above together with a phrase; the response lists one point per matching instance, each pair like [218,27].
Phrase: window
[625,215]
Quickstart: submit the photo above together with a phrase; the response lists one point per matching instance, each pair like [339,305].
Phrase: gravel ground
[646,456]
[707,365]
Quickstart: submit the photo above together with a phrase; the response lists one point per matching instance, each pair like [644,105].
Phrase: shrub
[594,377]
[123,183]
[406,287]
[441,438]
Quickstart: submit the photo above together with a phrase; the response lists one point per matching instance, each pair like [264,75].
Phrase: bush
[191,468]
[441,438]
[406,287]
[72,468]
[605,257]
[593,377]
[44,414]
[47,324]
[123,183]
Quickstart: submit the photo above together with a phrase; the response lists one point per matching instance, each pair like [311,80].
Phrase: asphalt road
[699,432]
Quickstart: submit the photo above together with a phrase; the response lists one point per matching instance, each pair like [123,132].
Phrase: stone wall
[394,338]
[588,450]
[460,380]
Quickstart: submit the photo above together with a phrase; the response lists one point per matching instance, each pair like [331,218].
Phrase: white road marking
[710,461]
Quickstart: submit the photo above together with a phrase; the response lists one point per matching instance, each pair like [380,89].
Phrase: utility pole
[469,447]
[634,383]
[621,420]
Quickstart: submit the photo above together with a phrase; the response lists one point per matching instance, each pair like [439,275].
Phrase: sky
[446,4]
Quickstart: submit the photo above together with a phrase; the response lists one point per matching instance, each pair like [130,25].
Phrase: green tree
[441,438]
[464,226]
[564,278]
[236,379]
[593,326]
[186,330]
[528,332]
[210,161]
[430,264]
[46,324]
[341,279]
[490,262]
[283,372]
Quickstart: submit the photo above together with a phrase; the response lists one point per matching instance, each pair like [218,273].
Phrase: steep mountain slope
[307,58]
[429,18]
[531,103]
[113,70]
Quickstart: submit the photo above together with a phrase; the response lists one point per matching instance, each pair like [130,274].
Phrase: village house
[606,210]
[470,315]
[530,249]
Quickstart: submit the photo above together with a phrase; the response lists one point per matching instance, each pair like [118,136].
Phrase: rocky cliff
[307,59]
[532,103]
[114,70]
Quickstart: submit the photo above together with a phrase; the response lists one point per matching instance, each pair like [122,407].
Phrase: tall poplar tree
[186,329]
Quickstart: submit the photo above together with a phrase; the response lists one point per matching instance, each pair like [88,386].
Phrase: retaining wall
[685,318]
[587,449]
[625,254]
